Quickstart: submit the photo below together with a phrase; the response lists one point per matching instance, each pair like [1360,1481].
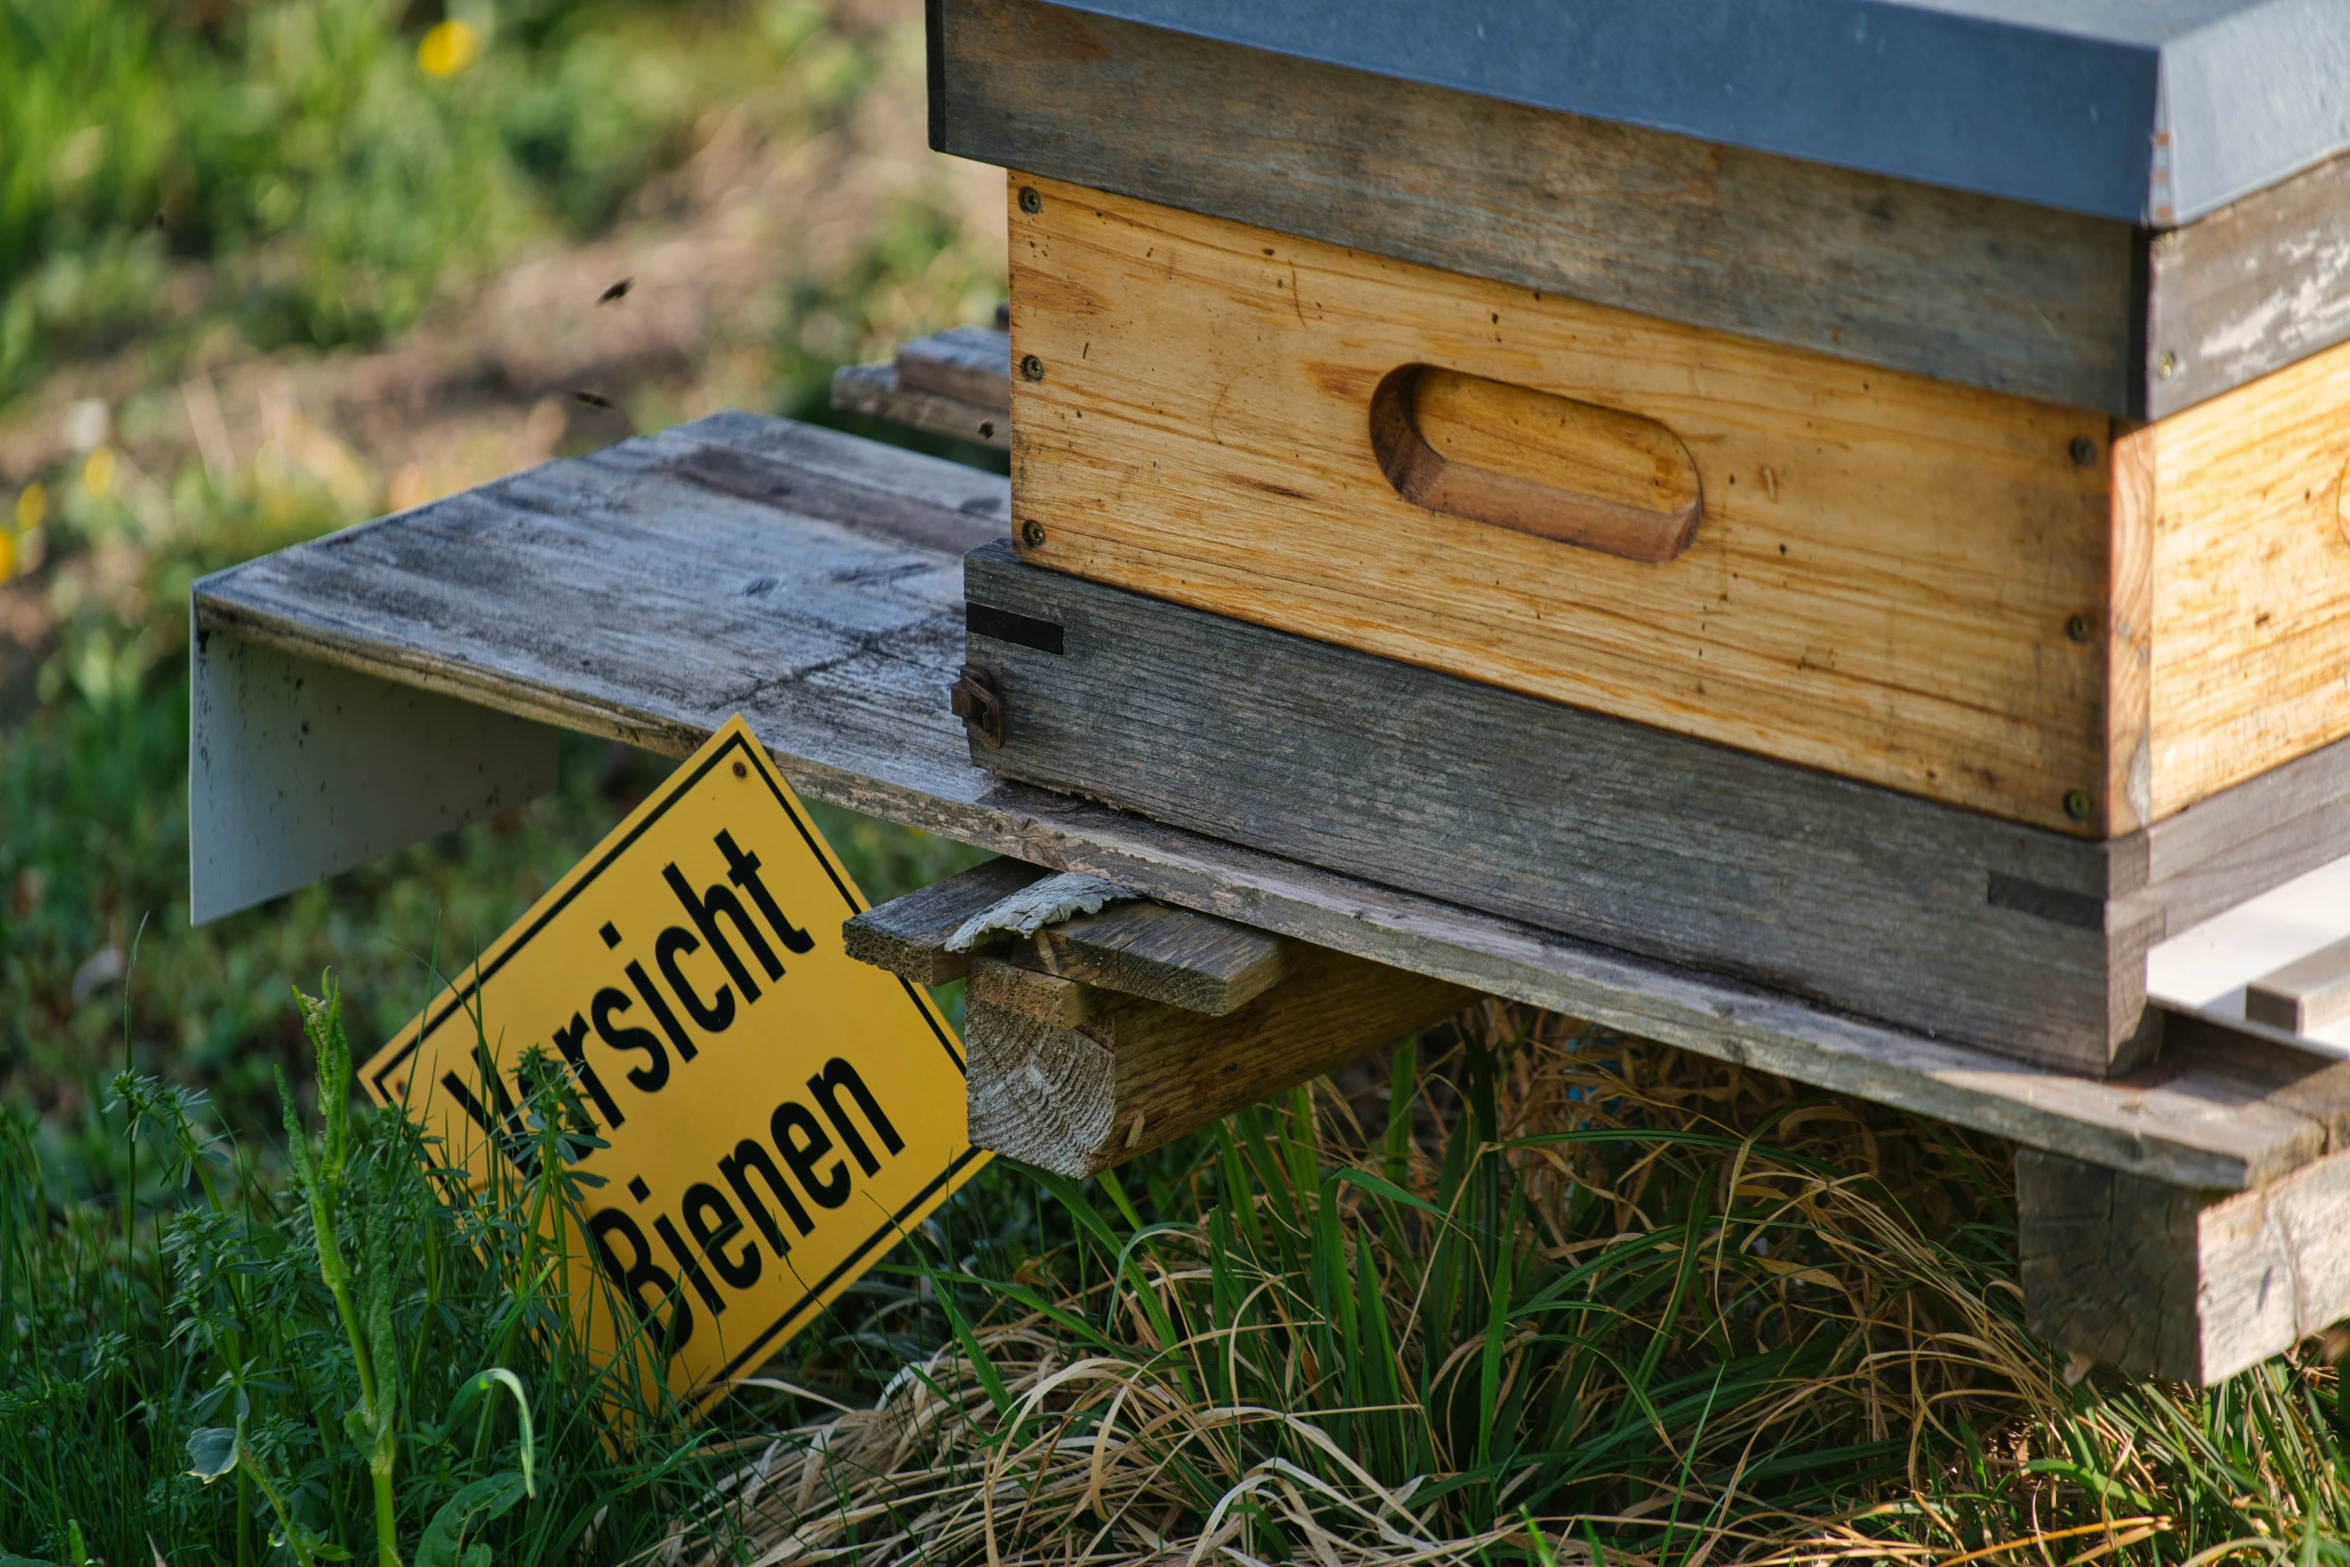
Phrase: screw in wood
[2084,451]
[2079,628]
[1032,534]
[2076,804]
[1030,202]
[1031,368]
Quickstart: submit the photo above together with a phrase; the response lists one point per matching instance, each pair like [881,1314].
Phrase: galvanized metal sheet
[2149,111]
[298,770]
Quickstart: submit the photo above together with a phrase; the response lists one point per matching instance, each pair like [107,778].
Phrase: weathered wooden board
[1936,918]
[2169,1282]
[2001,294]
[971,364]
[1134,947]
[649,592]
[2250,289]
[876,390]
[1076,1079]
[908,935]
[2150,114]
[1882,584]
[1193,961]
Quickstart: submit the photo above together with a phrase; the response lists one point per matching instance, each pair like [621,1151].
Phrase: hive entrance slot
[1541,464]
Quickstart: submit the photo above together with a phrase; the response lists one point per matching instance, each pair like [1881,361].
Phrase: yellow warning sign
[776,1113]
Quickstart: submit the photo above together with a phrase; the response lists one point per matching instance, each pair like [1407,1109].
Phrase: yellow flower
[448,49]
[98,472]
[32,504]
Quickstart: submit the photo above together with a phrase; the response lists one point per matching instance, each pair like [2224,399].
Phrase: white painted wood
[298,770]
[2207,968]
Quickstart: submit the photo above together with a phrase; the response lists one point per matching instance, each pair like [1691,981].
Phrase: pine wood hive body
[2024,609]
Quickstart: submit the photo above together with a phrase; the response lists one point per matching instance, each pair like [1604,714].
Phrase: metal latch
[979,703]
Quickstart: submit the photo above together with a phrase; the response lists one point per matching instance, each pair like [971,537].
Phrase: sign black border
[672,790]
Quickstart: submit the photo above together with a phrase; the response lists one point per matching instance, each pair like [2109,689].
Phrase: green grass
[328,189]
[1584,1298]
[1596,1300]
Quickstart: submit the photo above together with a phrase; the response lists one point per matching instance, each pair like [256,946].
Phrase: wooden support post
[1074,1078]
[2169,1282]
[1109,1034]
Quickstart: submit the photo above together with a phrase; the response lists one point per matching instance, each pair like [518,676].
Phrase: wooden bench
[400,678]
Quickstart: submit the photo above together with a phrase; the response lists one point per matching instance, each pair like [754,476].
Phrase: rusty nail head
[740,771]
[2080,628]
[1030,202]
[1032,534]
[979,703]
[2084,451]
[1031,368]
[2077,804]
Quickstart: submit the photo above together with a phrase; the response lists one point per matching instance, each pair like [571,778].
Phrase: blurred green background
[269,269]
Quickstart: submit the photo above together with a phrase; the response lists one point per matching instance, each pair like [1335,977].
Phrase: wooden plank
[2249,289]
[2173,1283]
[2003,295]
[1937,918]
[971,364]
[1187,960]
[908,935]
[1076,1079]
[2304,995]
[2016,298]
[875,390]
[1136,947]
[649,611]
[1882,586]
[2249,556]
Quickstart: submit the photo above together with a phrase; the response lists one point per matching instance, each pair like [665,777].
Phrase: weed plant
[1576,1298]
[369,1359]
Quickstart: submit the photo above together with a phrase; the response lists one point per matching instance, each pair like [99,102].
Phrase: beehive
[1964,417]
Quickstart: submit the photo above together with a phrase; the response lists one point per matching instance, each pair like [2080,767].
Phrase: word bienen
[751,1175]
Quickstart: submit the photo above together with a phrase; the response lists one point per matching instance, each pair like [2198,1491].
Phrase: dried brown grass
[1739,1322]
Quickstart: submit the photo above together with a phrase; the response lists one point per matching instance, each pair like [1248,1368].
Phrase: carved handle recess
[1549,466]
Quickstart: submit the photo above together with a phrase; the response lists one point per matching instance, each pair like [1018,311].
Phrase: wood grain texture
[1187,960]
[1965,288]
[2173,1283]
[1990,932]
[1077,1083]
[1881,587]
[2250,289]
[2250,561]
[1549,466]
[1997,294]
[908,935]
[601,595]
[876,391]
[970,364]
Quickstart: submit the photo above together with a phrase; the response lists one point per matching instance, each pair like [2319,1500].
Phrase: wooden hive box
[1886,536]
